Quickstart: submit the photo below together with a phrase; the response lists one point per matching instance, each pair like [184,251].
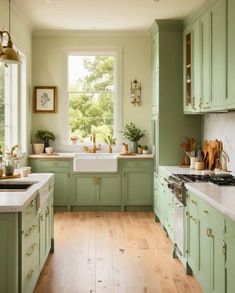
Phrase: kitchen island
[26,229]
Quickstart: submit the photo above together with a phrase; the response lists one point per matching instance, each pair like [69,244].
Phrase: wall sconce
[135,93]
[7,53]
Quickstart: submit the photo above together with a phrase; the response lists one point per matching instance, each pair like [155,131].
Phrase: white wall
[22,39]
[48,69]
[222,126]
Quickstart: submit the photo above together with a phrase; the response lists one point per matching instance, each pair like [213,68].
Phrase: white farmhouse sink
[101,162]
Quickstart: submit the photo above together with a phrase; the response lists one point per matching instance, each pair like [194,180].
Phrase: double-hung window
[92,94]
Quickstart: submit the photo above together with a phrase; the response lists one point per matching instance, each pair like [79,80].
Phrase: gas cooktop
[228,180]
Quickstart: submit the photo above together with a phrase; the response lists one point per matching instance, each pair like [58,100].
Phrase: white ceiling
[103,14]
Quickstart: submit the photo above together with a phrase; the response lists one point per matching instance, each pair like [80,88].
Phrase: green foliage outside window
[91,98]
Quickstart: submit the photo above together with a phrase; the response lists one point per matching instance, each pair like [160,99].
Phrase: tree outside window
[91,93]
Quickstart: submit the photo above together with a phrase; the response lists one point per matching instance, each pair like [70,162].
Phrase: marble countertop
[220,197]
[71,156]
[11,201]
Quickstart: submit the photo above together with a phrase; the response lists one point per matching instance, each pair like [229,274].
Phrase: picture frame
[45,99]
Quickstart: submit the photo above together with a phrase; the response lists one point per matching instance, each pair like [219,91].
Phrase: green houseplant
[134,134]
[110,140]
[45,136]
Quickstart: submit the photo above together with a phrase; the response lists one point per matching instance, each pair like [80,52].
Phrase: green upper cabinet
[155,75]
[219,55]
[208,79]
[231,55]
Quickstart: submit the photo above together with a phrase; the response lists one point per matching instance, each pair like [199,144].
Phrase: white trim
[88,50]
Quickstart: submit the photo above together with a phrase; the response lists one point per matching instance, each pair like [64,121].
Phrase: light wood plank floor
[112,252]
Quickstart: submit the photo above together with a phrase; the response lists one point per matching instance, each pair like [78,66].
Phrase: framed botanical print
[45,99]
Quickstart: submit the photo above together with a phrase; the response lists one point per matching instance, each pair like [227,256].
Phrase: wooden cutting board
[211,150]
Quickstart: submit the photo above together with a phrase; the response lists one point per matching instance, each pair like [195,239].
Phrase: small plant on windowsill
[145,150]
[134,134]
[110,140]
[74,138]
[43,138]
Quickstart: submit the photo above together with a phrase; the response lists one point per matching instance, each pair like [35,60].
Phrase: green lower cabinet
[169,214]
[9,262]
[62,171]
[205,256]
[230,267]
[193,242]
[90,190]
[137,187]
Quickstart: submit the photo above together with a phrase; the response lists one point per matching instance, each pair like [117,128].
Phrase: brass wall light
[135,93]
[7,53]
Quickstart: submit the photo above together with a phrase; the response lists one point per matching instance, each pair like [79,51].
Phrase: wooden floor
[107,252]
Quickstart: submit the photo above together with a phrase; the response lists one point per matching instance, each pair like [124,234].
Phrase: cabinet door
[197,66]
[61,188]
[230,267]
[231,55]
[138,187]
[109,190]
[219,66]
[206,255]
[85,190]
[48,228]
[205,23]
[219,252]
[193,242]
[42,237]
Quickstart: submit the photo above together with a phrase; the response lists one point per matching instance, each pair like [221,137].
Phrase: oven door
[179,225]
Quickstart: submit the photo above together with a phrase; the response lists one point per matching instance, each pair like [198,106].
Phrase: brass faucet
[93,139]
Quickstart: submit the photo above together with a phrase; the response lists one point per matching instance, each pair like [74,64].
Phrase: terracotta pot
[38,148]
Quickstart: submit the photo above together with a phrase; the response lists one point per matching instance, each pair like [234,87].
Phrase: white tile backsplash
[221,126]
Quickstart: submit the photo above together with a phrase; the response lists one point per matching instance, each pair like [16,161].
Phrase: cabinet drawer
[137,163]
[30,235]
[230,230]
[212,215]
[30,256]
[193,201]
[54,164]
[29,213]
[30,275]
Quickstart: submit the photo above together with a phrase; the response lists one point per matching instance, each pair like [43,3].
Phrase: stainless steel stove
[176,182]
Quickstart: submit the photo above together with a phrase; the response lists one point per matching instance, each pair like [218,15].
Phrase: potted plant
[145,150]
[139,149]
[134,134]
[43,137]
[110,140]
[74,138]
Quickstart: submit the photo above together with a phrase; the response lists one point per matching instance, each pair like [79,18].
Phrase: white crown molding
[93,33]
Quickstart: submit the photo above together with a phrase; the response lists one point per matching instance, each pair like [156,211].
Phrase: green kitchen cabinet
[230,255]
[230,101]
[168,88]
[205,60]
[169,214]
[96,190]
[62,171]
[155,76]
[218,55]
[137,178]
[46,228]
[193,232]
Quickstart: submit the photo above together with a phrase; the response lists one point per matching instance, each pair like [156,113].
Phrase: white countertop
[71,156]
[16,201]
[220,197]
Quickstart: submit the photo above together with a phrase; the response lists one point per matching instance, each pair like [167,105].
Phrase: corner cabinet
[137,177]
[62,171]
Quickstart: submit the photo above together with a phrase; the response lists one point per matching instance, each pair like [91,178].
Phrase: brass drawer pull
[30,274]
[209,233]
[41,217]
[205,212]
[31,249]
[30,230]
[193,201]
[31,204]
[47,211]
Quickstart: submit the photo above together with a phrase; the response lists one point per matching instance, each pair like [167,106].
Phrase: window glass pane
[91,73]
[91,94]
[2,109]
[91,113]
